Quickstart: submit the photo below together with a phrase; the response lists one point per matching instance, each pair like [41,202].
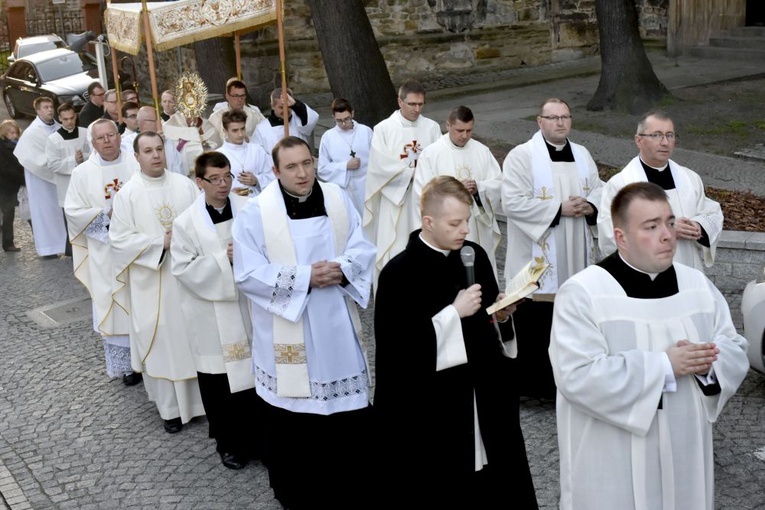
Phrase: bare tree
[627,80]
[355,66]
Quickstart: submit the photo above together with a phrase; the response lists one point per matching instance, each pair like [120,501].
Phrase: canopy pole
[238,51]
[282,62]
[150,55]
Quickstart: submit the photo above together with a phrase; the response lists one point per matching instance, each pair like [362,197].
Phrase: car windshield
[56,68]
[30,49]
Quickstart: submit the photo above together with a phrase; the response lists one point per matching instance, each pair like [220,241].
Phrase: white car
[753,310]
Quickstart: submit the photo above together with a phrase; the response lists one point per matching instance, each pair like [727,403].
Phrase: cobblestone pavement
[71,438]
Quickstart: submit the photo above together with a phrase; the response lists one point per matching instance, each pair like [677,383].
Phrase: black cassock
[424,419]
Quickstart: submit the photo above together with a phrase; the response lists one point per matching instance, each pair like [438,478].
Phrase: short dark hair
[461,113]
[146,134]
[631,192]
[438,189]
[209,159]
[229,117]
[93,86]
[287,143]
[40,100]
[65,108]
[340,105]
[410,87]
[235,83]
[130,105]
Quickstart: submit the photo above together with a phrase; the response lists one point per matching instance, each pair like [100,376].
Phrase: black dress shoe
[11,248]
[132,379]
[232,460]
[173,426]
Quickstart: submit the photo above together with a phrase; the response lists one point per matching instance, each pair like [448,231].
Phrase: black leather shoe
[232,461]
[132,379]
[11,248]
[173,426]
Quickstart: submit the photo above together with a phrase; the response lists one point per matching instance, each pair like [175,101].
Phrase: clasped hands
[576,207]
[325,273]
[689,358]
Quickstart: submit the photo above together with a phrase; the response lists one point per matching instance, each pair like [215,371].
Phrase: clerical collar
[68,135]
[309,206]
[646,165]
[445,253]
[560,153]
[659,176]
[219,215]
[652,276]
[639,284]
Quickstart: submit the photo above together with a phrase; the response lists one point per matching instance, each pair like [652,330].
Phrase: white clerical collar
[445,253]
[655,168]
[651,275]
[558,147]
[69,130]
[299,198]
[407,122]
[102,162]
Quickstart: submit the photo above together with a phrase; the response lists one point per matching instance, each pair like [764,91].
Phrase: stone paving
[72,439]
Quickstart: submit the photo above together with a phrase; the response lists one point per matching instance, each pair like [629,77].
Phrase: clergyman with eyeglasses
[550,195]
[220,331]
[390,213]
[698,219]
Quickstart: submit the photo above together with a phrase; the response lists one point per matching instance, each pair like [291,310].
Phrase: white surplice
[267,135]
[48,228]
[473,161]
[89,198]
[186,137]
[335,150]
[61,158]
[530,210]
[218,315]
[252,158]
[617,449]
[389,208]
[143,211]
[687,200]
[254,116]
[337,368]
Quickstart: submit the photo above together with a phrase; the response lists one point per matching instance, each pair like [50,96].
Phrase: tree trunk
[627,80]
[355,66]
[216,62]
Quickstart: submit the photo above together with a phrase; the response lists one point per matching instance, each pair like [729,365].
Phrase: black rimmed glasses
[556,118]
[217,181]
[656,137]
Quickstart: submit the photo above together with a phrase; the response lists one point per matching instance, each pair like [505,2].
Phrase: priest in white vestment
[389,207]
[251,165]
[550,194]
[344,153]
[140,233]
[48,228]
[65,149]
[301,118]
[301,258]
[699,218]
[645,357]
[236,100]
[88,208]
[191,137]
[220,331]
[458,155]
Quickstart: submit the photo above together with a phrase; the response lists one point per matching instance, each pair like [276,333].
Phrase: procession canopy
[180,22]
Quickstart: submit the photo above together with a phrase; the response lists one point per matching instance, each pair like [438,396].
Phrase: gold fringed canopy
[184,21]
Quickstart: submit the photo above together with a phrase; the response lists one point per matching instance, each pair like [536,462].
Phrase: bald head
[147,119]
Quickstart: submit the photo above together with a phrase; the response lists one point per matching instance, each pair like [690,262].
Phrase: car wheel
[12,111]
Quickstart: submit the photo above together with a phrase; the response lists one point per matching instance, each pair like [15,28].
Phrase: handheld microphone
[467,254]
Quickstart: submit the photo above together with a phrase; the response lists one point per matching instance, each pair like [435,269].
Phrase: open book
[521,285]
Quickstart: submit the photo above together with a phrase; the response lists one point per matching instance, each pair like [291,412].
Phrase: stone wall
[740,258]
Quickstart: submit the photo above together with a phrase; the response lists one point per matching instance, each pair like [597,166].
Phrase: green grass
[733,127]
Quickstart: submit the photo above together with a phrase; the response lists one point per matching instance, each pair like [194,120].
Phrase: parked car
[753,310]
[59,74]
[26,46]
